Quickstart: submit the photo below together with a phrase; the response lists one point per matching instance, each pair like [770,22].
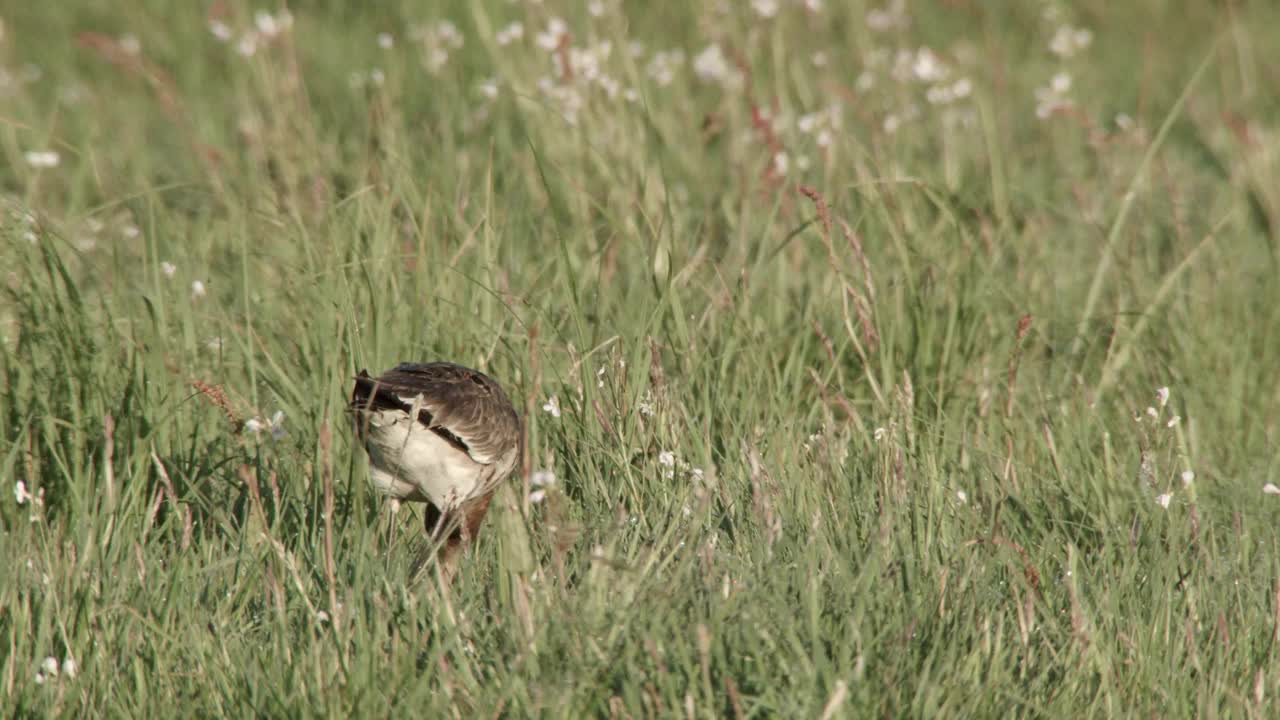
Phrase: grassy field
[893,359]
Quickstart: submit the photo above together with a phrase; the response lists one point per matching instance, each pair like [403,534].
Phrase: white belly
[411,462]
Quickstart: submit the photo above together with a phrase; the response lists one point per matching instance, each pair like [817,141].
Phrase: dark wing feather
[462,405]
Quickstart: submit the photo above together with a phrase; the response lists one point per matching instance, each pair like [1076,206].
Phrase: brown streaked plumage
[442,434]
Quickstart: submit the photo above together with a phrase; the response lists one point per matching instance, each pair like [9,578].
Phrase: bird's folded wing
[463,406]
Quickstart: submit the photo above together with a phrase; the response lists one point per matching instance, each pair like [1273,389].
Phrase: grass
[847,428]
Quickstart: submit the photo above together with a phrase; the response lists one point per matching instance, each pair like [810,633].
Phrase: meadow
[877,358]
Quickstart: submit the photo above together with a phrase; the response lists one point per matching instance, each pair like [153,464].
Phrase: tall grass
[854,367]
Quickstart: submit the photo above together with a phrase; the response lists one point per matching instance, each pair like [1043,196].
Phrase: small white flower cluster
[1156,415]
[892,17]
[266,27]
[543,481]
[925,67]
[670,464]
[943,85]
[373,78]
[25,497]
[575,71]
[550,39]
[49,669]
[648,404]
[256,427]
[438,40]
[766,9]
[822,125]
[552,406]
[1054,97]
[510,33]
[1068,41]
[713,67]
[664,65]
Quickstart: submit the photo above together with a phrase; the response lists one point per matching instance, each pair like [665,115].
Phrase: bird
[440,434]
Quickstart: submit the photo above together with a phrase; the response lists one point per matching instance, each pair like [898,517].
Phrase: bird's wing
[464,406]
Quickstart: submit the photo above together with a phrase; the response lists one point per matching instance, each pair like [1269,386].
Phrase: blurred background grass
[840,327]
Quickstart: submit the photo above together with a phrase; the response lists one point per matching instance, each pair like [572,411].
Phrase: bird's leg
[435,523]
[461,525]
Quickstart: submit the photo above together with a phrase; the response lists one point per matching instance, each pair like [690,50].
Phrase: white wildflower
[248,44]
[1188,476]
[266,23]
[1173,421]
[1053,98]
[1164,499]
[220,30]
[711,65]
[552,406]
[555,33]
[130,231]
[20,493]
[510,34]
[1271,489]
[537,496]
[39,678]
[880,434]
[1162,394]
[596,8]
[69,667]
[667,458]
[50,666]
[765,8]
[43,158]
[489,88]
[781,163]
[386,41]
[542,478]
[645,406]
[1068,41]
[322,617]
[197,289]
[883,20]
[927,67]
[168,269]
[1153,413]
[962,496]
[254,425]
[662,68]
[447,34]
